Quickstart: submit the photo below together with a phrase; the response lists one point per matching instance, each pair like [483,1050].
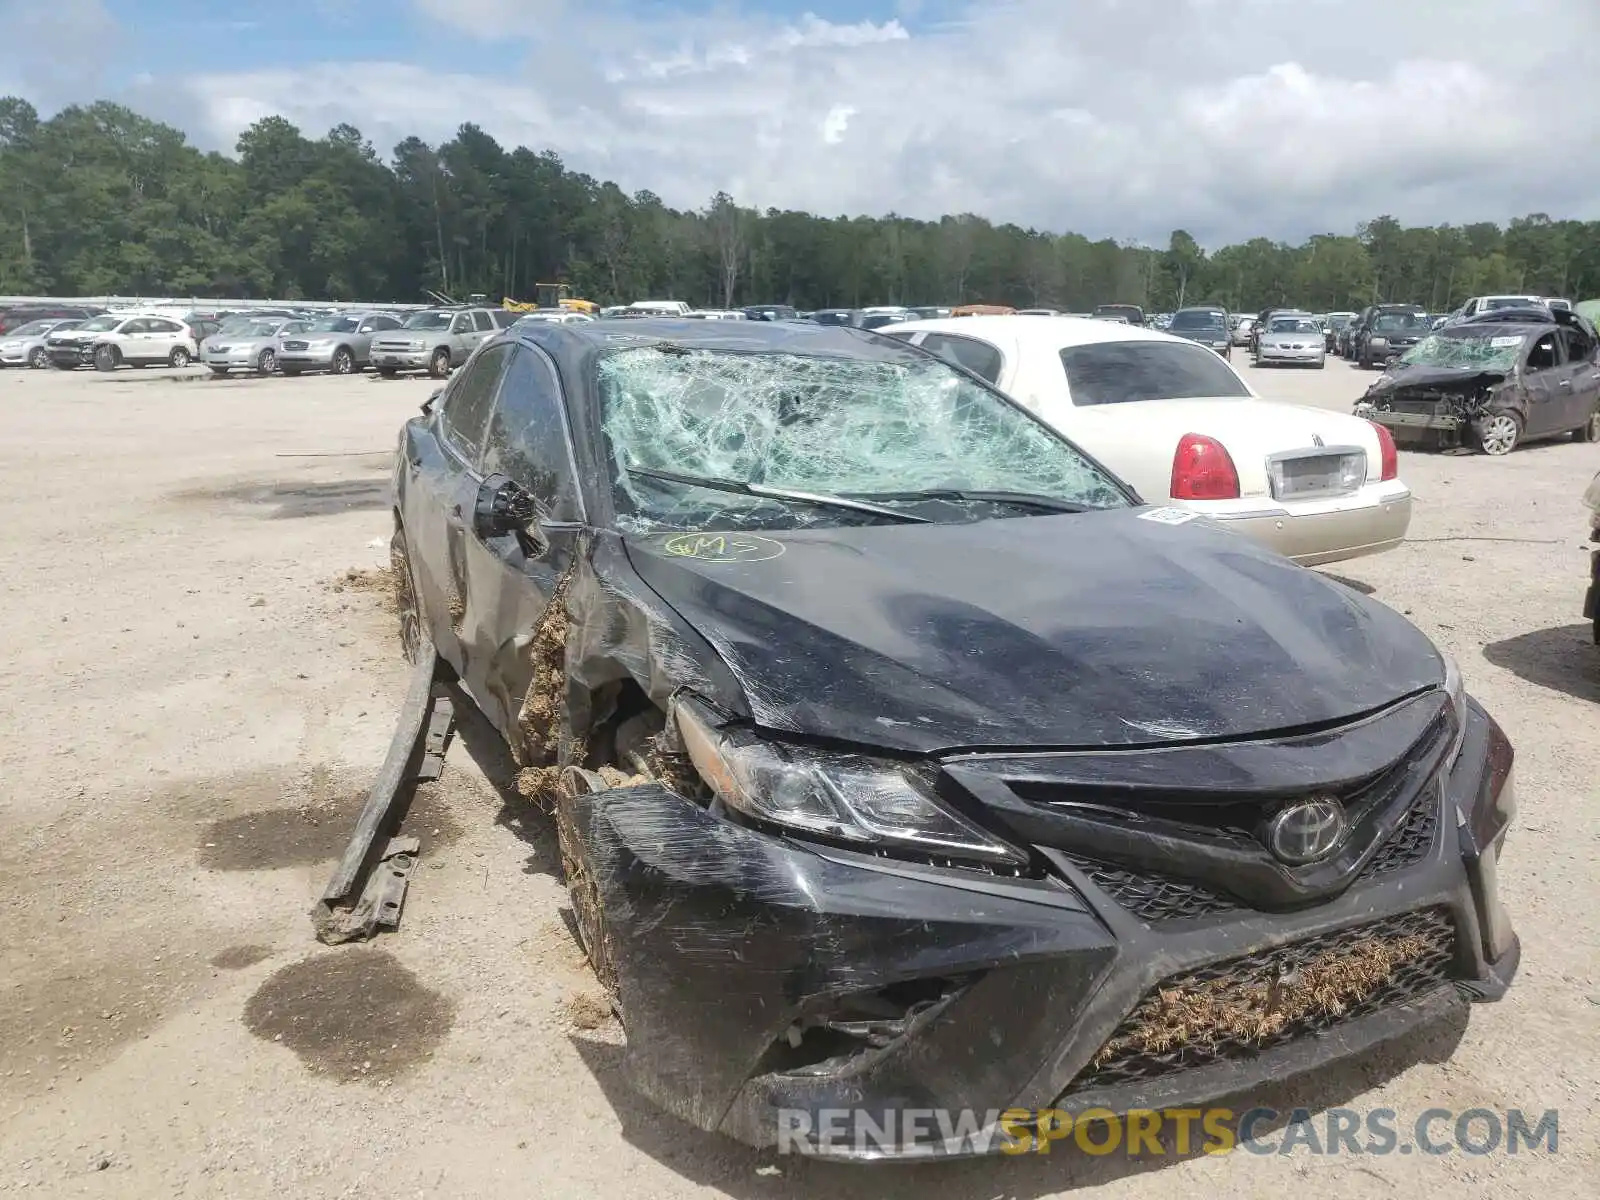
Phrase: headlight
[847,797]
[1379,341]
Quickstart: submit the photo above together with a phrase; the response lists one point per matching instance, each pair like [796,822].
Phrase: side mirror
[427,405]
[506,507]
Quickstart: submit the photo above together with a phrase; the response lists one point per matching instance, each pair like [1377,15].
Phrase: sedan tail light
[1203,470]
[1388,457]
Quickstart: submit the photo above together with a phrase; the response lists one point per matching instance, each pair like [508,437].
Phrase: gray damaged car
[248,344]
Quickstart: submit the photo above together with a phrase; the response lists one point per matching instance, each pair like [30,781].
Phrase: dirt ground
[196,694]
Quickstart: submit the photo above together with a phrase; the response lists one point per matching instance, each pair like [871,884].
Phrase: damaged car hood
[1443,379]
[1083,630]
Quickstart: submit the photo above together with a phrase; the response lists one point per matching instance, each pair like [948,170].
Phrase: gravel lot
[196,698]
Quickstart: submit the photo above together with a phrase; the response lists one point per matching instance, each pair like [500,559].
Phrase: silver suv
[435,340]
[339,343]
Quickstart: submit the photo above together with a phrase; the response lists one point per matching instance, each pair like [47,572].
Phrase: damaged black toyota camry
[900,757]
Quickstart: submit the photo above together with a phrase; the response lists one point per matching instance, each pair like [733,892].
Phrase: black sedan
[899,756]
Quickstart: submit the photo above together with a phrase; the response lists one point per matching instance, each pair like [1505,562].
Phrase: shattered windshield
[832,427]
[1478,352]
[429,320]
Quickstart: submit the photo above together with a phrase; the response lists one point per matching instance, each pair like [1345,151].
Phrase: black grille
[1237,1009]
[1151,896]
[1409,844]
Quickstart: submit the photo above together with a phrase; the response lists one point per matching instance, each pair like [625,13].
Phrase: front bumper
[307,360]
[1281,354]
[401,360]
[237,359]
[71,356]
[1415,427]
[735,949]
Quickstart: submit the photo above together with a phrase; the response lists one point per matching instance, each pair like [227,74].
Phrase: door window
[462,324]
[171,326]
[1543,356]
[482,321]
[469,402]
[1580,346]
[527,439]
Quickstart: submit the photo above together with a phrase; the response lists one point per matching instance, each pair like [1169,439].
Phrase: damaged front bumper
[769,984]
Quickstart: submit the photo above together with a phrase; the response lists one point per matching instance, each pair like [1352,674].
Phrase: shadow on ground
[712,1160]
[1564,659]
[485,746]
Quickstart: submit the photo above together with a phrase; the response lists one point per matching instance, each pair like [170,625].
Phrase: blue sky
[1114,118]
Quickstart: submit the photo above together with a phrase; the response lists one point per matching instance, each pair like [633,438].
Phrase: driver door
[512,576]
[1542,374]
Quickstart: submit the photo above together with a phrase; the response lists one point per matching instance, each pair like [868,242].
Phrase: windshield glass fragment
[1482,353]
[828,426]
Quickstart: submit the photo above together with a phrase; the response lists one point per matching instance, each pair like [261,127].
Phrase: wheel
[219,370]
[179,357]
[439,364]
[291,371]
[106,358]
[1589,431]
[344,363]
[387,372]
[267,363]
[38,359]
[1498,433]
[405,596]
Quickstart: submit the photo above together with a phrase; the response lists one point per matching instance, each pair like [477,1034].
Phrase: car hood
[217,341]
[1274,339]
[1084,630]
[1404,378]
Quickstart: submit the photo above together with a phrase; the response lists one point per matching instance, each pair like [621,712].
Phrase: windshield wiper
[1026,499]
[814,499]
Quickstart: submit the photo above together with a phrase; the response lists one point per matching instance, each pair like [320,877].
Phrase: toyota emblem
[1307,831]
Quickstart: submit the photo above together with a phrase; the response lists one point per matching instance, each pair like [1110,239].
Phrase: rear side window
[1123,372]
[467,407]
[482,321]
[1580,347]
[980,358]
[527,438]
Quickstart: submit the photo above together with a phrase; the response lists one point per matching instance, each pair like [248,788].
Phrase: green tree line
[101,200]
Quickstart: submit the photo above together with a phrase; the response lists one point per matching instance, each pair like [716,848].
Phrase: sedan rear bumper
[768,986]
[1375,521]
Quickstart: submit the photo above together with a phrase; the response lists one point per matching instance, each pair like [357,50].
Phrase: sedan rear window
[1122,372]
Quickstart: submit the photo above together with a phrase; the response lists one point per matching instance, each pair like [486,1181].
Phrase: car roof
[1057,332]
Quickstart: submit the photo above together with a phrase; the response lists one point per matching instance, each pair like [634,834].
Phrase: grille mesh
[1237,1009]
[1408,844]
[1150,896]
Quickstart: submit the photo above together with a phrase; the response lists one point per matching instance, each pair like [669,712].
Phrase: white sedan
[1184,428]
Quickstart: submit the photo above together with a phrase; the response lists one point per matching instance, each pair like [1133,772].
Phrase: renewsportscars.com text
[1172,1131]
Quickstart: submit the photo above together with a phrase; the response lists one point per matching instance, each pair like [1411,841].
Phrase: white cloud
[1276,117]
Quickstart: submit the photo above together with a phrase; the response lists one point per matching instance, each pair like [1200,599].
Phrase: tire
[106,358]
[343,362]
[406,607]
[291,372]
[1498,434]
[388,372]
[439,364]
[180,357]
[219,370]
[267,363]
[1589,431]
[38,359]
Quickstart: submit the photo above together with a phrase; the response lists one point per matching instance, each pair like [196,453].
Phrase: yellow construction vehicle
[551,295]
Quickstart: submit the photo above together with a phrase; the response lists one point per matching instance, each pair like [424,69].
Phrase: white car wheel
[1498,434]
